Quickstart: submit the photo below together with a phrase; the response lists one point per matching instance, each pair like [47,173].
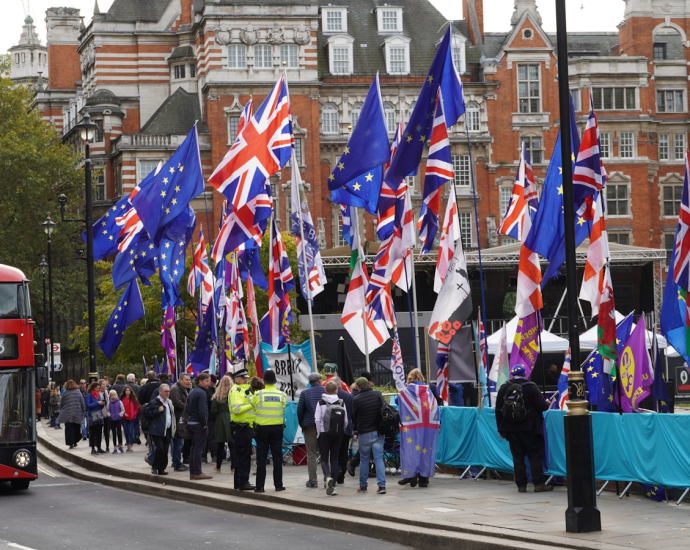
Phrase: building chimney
[473,12]
[62,40]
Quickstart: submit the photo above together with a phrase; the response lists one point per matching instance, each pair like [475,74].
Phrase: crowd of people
[185,421]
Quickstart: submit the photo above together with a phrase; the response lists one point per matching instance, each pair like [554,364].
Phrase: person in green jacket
[269,406]
[242,425]
[220,409]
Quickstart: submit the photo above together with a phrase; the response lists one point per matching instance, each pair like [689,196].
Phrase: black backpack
[514,410]
[333,418]
[389,426]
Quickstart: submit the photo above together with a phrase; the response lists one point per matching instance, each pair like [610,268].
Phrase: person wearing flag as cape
[420,418]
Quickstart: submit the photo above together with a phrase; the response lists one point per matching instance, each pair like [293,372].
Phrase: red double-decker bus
[17,381]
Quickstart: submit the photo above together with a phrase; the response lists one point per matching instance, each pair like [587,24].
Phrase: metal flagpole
[412,308]
[310,298]
[362,266]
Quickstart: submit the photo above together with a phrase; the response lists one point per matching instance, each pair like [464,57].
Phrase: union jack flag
[419,415]
[421,408]
[378,295]
[589,175]
[522,200]
[563,383]
[275,324]
[439,170]
[442,373]
[308,254]
[449,236]
[236,321]
[200,273]
[262,148]
[129,221]
[245,117]
[385,209]
[681,248]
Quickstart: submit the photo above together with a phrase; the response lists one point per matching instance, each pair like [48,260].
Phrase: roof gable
[515,39]
[137,10]
[176,116]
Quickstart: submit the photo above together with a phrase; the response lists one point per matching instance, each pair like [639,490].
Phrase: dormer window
[334,19]
[389,19]
[457,49]
[340,54]
[397,55]
[179,71]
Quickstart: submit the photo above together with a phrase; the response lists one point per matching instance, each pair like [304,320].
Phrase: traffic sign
[47,341]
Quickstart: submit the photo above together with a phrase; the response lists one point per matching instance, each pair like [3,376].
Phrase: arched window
[472,117]
[354,113]
[329,119]
[389,111]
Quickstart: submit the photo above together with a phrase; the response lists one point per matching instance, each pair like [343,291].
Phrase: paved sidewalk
[633,522]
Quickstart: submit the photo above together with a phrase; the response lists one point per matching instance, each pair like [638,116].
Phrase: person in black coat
[525,437]
[347,398]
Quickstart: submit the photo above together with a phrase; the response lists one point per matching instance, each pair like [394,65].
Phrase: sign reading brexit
[292,367]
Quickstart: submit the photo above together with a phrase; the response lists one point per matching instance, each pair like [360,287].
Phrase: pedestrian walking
[55,409]
[211,437]
[104,396]
[178,395]
[366,417]
[331,421]
[94,406]
[132,383]
[160,414]
[72,410]
[269,408]
[197,421]
[306,409]
[519,418]
[119,384]
[419,415]
[131,404]
[242,419]
[354,460]
[115,415]
[347,398]
[85,419]
[220,409]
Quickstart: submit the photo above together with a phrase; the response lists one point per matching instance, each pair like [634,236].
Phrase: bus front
[17,381]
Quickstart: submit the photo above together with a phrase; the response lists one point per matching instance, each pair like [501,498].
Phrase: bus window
[16,418]
[11,296]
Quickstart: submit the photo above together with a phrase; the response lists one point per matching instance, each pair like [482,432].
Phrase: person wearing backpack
[519,408]
[331,422]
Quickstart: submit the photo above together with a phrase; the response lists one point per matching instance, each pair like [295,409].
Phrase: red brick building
[148,69]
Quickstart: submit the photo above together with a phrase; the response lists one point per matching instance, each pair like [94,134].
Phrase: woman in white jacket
[331,421]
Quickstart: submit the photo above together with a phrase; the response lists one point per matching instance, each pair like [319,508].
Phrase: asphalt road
[62,512]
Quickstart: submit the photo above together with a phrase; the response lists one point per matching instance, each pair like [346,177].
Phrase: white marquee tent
[588,339]
[550,343]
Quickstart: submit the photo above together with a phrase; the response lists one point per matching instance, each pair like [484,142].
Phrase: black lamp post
[87,131]
[49,227]
[582,514]
[44,267]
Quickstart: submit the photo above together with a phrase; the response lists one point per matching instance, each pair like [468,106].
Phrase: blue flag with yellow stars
[205,340]
[139,260]
[106,232]
[128,309]
[659,390]
[357,176]
[250,263]
[171,254]
[547,236]
[672,318]
[443,74]
[168,195]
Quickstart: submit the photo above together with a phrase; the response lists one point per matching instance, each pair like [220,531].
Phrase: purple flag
[419,415]
[635,372]
[168,340]
[526,344]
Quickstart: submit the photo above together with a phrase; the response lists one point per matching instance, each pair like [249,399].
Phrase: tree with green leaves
[37,167]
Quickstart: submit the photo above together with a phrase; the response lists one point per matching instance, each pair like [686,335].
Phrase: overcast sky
[583,15]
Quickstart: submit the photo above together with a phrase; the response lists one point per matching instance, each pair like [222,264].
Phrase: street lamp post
[87,131]
[49,227]
[44,267]
[582,514]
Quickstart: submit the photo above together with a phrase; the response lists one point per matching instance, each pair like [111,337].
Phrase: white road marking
[34,485]
[46,472]
[15,545]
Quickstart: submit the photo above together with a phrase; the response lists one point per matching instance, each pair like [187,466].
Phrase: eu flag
[250,263]
[174,240]
[357,176]
[179,181]
[128,309]
[200,358]
[605,392]
[659,391]
[418,130]
[106,232]
[547,236]
[139,260]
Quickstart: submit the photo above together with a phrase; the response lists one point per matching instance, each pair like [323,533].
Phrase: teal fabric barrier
[649,448]
[291,423]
